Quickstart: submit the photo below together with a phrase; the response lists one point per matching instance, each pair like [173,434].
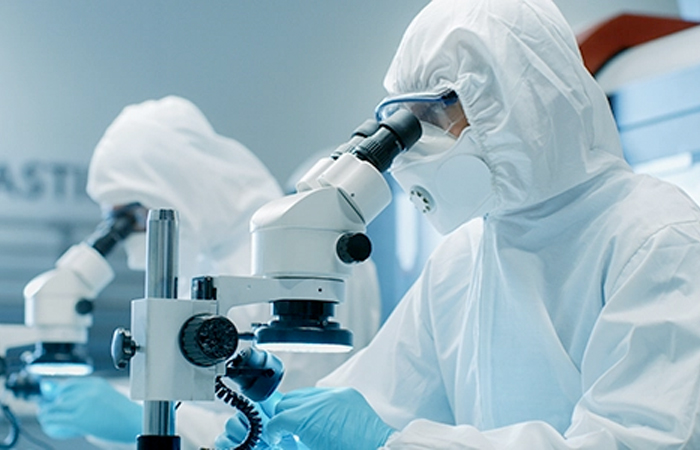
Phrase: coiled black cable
[11,439]
[246,407]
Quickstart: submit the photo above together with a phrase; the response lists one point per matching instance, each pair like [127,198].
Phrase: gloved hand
[88,406]
[329,419]
[237,430]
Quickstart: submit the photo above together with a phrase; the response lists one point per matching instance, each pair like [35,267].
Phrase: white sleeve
[410,385]
[361,311]
[639,372]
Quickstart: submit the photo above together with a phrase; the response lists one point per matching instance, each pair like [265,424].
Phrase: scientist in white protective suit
[566,314]
[164,153]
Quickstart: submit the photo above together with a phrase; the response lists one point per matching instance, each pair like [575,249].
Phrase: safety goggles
[442,110]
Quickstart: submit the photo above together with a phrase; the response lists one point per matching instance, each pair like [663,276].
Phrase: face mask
[135,248]
[445,179]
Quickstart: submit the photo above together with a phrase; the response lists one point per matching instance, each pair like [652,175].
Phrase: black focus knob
[84,307]
[206,340]
[123,348]
[23,385]
[353,247]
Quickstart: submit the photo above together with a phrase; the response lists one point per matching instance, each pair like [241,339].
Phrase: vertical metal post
[162,253]
[161,282]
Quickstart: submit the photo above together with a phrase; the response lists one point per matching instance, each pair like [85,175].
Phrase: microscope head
[317,235]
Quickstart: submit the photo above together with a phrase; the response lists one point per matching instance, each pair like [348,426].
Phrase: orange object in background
[602,42]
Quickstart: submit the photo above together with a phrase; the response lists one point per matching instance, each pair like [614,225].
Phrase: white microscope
[58,311]
[58,303]
[303,247]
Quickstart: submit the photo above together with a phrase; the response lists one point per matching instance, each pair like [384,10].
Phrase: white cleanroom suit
[569,317]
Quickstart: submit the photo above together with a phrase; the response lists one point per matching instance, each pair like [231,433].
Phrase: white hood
[542,122]
[164,153]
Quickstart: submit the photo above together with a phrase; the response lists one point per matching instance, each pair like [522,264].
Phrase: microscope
[58,304]
[303,248]
[58,312]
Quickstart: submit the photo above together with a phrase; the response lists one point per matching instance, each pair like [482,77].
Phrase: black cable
[245,406]
[12,436]
[16,432]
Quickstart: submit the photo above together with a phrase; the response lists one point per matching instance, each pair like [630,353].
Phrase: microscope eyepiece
[365,130]
[396,133]
[118,224]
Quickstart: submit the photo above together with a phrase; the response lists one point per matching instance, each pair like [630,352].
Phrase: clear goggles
[442,110]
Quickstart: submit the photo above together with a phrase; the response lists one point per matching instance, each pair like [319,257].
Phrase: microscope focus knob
[353,247]
[206,340]
[84,307]
[123,348]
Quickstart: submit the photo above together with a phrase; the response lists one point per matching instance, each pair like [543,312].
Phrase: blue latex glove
[329,419]
[237,430]
[88,406]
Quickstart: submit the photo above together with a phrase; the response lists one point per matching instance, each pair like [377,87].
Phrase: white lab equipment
[58,312]
[58,303]
[401,242]
[303,248]
[22,384]
[165,153]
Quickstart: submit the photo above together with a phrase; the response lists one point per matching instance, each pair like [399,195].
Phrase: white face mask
[445,179]
[135,248]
